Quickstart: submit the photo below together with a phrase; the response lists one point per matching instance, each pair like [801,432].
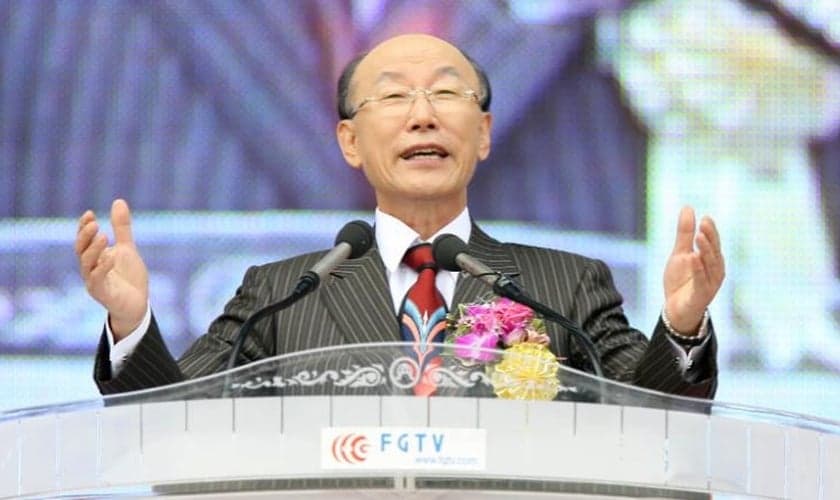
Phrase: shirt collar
[394,237]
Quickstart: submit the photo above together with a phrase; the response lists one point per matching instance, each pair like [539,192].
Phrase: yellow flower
[526,371]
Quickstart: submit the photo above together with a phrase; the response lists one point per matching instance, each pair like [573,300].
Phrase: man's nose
[421,113]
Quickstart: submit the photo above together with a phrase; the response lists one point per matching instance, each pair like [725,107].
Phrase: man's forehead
[398,76]
[409,55]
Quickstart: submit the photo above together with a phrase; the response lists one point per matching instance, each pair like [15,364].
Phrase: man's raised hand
[115,276]
[692,275]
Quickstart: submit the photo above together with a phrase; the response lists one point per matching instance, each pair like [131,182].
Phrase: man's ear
[484,138]
[345,132]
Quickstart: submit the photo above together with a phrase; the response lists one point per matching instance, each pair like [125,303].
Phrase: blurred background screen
[216,119]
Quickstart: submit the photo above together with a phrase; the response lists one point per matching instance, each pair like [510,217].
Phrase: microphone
[354,240]
[451,253]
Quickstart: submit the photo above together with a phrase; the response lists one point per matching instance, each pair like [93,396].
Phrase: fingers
[708,245]
[104,263]
[90,255]
[121,222]
[88,228]
[685,231]
[86,217]
[707,227]
[702,249]
[89,243]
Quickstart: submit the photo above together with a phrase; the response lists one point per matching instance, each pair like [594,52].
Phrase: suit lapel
[492,253]
[359,300]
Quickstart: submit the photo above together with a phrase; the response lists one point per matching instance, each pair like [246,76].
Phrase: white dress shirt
[394,238]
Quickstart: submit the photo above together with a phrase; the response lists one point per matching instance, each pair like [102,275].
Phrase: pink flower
[493,324]
[483,319]
[469,346]
[512,315]
[516,336]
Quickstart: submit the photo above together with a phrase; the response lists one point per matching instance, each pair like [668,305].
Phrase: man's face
[420,150]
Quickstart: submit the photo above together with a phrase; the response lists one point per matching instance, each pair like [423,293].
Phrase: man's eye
[394,97]
[445,93]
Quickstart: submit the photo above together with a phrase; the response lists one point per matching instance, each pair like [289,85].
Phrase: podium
[343,422]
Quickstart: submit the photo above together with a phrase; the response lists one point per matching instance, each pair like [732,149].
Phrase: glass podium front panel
[347,419]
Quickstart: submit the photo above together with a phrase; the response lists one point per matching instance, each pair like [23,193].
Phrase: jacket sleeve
[626,353]
[152,365]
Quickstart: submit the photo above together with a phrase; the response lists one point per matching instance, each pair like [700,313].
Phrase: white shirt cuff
[120,351]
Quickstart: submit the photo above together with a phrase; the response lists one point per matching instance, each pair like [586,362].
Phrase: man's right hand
[114,275]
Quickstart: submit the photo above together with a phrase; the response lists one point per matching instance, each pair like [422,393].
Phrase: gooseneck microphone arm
[450,253]
[248,324]
[354,240]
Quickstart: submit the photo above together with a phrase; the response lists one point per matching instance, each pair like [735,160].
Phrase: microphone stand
[308,282]
[354,239]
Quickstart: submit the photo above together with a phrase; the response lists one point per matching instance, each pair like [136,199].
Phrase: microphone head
[359,235]
[445,249]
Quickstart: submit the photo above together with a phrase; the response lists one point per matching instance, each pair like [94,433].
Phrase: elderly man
[414,119]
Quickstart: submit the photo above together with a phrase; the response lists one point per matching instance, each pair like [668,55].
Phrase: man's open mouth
[424,151]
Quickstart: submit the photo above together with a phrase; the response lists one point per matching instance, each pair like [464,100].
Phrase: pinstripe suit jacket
[355,306]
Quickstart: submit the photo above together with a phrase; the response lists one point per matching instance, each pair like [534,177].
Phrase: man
[414,119]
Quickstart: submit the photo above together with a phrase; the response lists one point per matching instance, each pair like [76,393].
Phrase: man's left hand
[692,275]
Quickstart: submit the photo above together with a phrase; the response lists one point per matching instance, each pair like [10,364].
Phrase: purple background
[218,106]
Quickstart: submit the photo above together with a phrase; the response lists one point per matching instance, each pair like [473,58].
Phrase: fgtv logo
[350,448]
[401,448]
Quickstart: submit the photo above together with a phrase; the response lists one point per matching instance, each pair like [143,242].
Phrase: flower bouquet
[526,369]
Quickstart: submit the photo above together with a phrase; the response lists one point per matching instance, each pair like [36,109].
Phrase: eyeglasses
[398,102]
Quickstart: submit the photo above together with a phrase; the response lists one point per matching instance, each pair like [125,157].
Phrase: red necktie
[423,314]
